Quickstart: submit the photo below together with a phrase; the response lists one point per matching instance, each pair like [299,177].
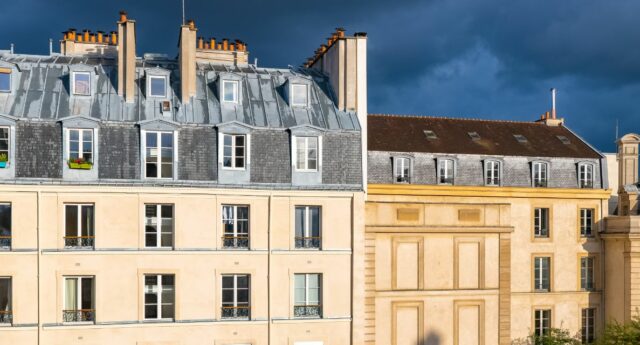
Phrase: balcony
[235,313]
[6,317]
[79,242]
[235,242]
[5,242]
[79,315]
[307,311]
[308,242]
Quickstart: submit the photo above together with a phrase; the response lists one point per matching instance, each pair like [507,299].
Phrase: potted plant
[4,160]
[80,163]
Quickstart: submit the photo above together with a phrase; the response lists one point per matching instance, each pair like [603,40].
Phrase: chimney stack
[187,57]
[126,57]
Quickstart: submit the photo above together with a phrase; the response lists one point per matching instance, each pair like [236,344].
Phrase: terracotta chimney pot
[123,16]
[200,43]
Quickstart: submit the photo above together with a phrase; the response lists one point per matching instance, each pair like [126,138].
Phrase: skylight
[564,139]
[474,136]
[520,138]
[431,135]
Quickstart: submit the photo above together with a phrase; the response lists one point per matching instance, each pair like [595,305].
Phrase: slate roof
[43,93]
[399,133]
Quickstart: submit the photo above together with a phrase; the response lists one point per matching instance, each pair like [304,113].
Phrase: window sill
[234,169]
[305,171]
[80,249]
[79,323]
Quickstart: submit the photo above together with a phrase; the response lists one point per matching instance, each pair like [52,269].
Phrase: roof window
[474,136]
[520,138]
[564,139]
[431,135]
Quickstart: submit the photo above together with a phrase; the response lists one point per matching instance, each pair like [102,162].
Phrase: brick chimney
[86,44]
[187,59]
[550,118]
[126,57]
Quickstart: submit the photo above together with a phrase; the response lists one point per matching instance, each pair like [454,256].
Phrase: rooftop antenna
[50,46]
[183,16]
[553,102]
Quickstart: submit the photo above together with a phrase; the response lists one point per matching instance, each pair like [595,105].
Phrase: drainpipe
[269,271]
[38,262]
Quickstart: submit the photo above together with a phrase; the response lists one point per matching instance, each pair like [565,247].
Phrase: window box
[80,164]
[3,164]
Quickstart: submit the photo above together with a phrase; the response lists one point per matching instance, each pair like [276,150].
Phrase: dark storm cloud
[489,58]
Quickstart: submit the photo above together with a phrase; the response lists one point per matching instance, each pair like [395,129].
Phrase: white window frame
[158,218]
[79,207]
[73,83]
[586,176]
[307,231]
[81,142]
[164,91]
[233,151]
[296,147]
[445,161]
[9,298]
[587,273]
[8,128]
[306,289]
[235,290]
[538,274]
[294,102]
[174,165]
[587,325]
[538,175]
[539,319]
[10,224]
[539,225]
[158,296]
[79,280]
[235,221]
[10,74]
[492,172]
[587,221]
[399,163]
[236,91]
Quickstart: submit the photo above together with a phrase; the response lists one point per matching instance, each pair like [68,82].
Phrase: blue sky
[491,59]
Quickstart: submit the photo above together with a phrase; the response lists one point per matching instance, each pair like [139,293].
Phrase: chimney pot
[64,35]
[200,42]
[340,32]
[114,37]
[212,43]
[225,44]
[232,47]
[192,24]
[100,36]
[123,16]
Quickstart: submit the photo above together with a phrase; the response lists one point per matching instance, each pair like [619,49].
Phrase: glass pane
[151,239]
[5,220]
[167,281]
[71,294]
[5,81]
[158,86]
[151,311]
[314,212]
[82,83]
[166,240]
[152,139]
[87,220]
[227,140]
[239,140]
[167,139]
[167,155]
[227,296]
[300,221]
[87,293]
[243,295]
[5,294]
[167,311]
[87,135]
[300,95]
[71,220]
[74,135]
[243,282]
[167,170]
[230,91]
[227,282]
[152,170]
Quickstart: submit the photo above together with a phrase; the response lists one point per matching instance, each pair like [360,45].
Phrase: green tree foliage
[621,334]
[555,336]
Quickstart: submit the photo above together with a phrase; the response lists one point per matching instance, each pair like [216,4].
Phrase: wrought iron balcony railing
[5,242]
[79,315]
[240,241]
[238,313]
[311,311]
[539,183]
[6,316]
[85,242]
[308,242]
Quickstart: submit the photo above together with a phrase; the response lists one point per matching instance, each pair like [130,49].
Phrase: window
[80,146]
[585,175]
[445,171]
[564,139]
[539,174]
[5,80]
[159,155]
[233,155]
[235,220]
[474,136]
[82,83]
[402,169]
[541,270]
[520,138]
[306,153]
[5,226]
[158,86]
[308,227]
[541,222]
[230,91]
[6,315]
[235,296]
[492,173]
[158,226]
[159,297]
[542,322]
[79,301]
[431,135]
[586,222]
[79,231]
[299,95]
[4,146]
[586,273]
[588,325]
[308,295]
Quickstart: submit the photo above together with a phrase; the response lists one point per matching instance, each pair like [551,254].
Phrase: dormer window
[4,147]
[492,173]
[585,175]
[230,91]
[402,170]
[159,154]
[540,174]
[233,151]
[81,83]
[306,158]
[5,80]
[446,171]
[299,95]
[157,86]
[80,148]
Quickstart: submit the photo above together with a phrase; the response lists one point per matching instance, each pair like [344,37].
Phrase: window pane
[5,220]
[227,282]
[87,220]
[158,86]
[230,91]
[243,282]
[300,95]
[5,82]
[5,294]
[82,84]
[71,220]
[167,139]
[152,170]
[314,212]
[71,294]
[167,311]
[87,293]
[152,139]
[300,221]
[151,311]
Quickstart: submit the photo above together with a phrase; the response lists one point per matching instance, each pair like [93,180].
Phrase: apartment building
[200,200]
[481,232]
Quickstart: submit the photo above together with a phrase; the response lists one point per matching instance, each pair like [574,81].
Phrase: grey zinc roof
[42,92]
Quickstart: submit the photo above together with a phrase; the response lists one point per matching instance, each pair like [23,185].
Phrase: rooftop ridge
[455,118]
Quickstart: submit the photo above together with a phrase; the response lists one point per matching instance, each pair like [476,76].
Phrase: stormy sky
[491,59]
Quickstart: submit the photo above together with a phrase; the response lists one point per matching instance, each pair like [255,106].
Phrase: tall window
[588,325]
[586,222]
[299,95]
[541,222]
[542,322]
[445,171]
[80,145]
[492,173]
[5,226]
[5,80]
[585,175]
[158,226]
[4,146]
[306,153]
[308,227]
[159,155]
[541,274]
[81,83]
[230,91]
[308,295]
[157,86]
[6,315]
[159,296]
[79,299]
[540,174]
[233,155]
[402,173]
[79,226]
[235,296]
[235,220]
[587,273]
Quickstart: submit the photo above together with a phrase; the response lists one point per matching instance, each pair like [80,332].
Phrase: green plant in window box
[80,163]
[4,160]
